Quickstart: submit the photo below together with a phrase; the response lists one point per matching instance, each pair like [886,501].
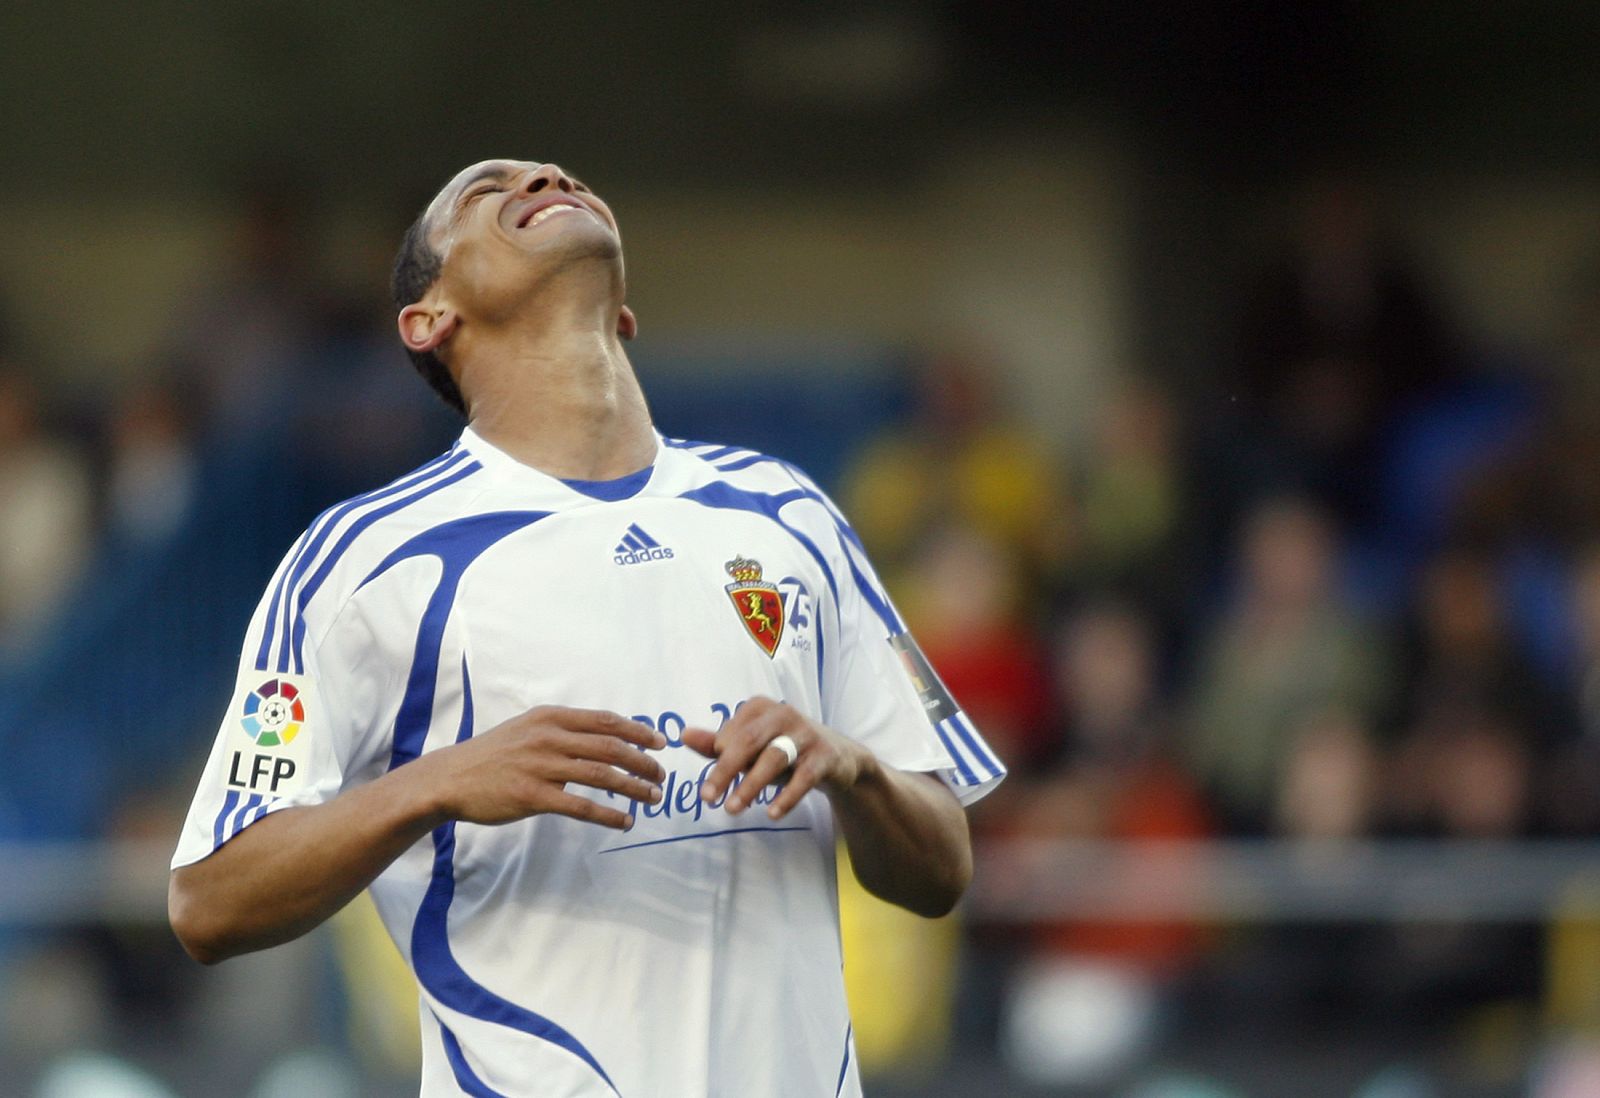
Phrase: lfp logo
[273,713]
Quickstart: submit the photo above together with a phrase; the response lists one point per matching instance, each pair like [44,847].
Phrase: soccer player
[584,707]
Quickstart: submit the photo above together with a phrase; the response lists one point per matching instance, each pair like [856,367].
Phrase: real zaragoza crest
[759,605]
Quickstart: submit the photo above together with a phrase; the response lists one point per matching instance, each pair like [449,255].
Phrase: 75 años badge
[759,605]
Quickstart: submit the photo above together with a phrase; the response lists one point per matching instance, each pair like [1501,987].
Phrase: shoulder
[768,482]
[746,468]
[344,544]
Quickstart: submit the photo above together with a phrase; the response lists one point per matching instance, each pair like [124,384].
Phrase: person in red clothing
[963,601]
[1116,780]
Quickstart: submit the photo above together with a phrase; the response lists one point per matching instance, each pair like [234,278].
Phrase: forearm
[282,876]
[293,869]
[907,837]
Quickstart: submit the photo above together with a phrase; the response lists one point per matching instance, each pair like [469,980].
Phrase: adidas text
[643,556]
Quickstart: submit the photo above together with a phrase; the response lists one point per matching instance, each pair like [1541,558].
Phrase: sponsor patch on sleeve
[936,700]
[272,726]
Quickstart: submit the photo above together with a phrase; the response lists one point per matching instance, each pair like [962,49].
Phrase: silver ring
[790,749]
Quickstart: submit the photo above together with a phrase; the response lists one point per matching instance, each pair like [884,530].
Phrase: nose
[547,175]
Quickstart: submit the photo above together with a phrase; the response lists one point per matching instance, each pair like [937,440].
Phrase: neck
[555,390]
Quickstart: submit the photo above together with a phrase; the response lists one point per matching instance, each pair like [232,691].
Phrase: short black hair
[416,269]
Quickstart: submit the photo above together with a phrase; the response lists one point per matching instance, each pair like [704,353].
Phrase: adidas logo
[638,547]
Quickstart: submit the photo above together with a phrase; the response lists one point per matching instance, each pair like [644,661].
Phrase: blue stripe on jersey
[699,835]
[251,817]
[986,759]
[456,544]
[329,522]
[225,828]
[344,543]
[891,621]
[442,976]
[689,444]
[729,459]
[464,729]
[322,525]
[611,491]
[228,804]
[745,462]
[724,451]
[968,775]
[466,1078]
[645,539]
[631,542]
[844,1065]
[879,601]
[251,802]
[275,608]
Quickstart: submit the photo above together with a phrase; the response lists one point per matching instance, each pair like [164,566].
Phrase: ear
[627,323]
[423,329]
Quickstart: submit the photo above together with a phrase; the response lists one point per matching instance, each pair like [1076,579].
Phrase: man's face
[503,224]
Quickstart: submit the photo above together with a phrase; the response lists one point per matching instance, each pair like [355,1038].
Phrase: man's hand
[522,767]
[826,759]
[282,876]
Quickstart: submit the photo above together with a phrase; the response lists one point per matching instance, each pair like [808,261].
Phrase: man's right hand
[522,767]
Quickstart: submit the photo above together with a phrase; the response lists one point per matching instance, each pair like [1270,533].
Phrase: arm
[906,833]
[290,871]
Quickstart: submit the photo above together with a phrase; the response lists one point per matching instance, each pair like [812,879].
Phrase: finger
[612,752]
[607,779]
[738,745]
[605,723]
[807,773]
[701,741]
[581,808]
[768,768]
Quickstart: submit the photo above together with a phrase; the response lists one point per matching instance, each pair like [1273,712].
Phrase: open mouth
[545,213]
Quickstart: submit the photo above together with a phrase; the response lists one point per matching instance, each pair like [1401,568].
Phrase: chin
[578,243]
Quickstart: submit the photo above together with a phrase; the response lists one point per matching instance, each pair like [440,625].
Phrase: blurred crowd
[267,350]
[1346,586]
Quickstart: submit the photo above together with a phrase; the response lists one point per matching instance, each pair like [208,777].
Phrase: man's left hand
[743,746]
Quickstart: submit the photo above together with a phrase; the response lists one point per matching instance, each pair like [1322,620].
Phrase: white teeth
[549,211]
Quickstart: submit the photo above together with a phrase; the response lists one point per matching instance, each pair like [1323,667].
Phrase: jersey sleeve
[881,690]
[288,736]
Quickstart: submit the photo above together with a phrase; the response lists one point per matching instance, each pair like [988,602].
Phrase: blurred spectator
[1329,788]
[1130,499]
[961,597]
[140,968]
[373,416]
[242,343]
[1314,971]
[45,510]
[1338,333]
[1285,650]
[1117,778]
[1086,1003]
[1571,785]
[1559,488]
[959,462]
[1462,654]
[1469,773]
[151,466]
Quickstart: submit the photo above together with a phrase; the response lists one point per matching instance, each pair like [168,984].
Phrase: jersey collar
[498,461]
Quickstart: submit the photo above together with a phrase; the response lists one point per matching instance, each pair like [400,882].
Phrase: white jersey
[695,954]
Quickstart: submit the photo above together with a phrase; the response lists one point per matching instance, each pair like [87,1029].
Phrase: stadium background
[1216,384]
